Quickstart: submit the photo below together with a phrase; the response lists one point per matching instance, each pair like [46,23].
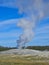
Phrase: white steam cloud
[27,34]
[35,10]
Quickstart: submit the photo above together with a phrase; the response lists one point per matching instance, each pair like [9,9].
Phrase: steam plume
[27,32]
[35,11]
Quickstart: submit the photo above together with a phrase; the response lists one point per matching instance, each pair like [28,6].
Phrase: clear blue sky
[9,32]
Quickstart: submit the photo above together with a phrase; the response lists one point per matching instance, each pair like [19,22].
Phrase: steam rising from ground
[35,10]
[27,34]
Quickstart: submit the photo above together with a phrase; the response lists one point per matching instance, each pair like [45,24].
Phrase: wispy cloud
[42,29]
[8,43]
[6,34]
[11,21]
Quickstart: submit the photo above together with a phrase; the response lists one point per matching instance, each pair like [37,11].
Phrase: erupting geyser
[27,32]
[35,10]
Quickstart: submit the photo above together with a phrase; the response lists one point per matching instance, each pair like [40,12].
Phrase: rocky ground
[27,52]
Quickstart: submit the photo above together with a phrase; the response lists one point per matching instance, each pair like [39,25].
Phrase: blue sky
[9,32]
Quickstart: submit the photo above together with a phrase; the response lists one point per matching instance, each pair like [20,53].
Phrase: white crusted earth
[27,52]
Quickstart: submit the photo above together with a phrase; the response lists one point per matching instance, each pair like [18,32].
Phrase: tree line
[41,48]
[38,48]
[6,48]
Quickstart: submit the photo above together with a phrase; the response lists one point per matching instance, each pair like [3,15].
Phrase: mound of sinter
[26,52]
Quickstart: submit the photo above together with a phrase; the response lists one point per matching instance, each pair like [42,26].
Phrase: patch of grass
[22,60]
[4,63]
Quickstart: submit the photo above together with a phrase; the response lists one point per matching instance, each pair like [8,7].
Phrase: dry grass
[23,60]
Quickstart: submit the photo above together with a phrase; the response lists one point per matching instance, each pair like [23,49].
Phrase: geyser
[27,34]
[35,11]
